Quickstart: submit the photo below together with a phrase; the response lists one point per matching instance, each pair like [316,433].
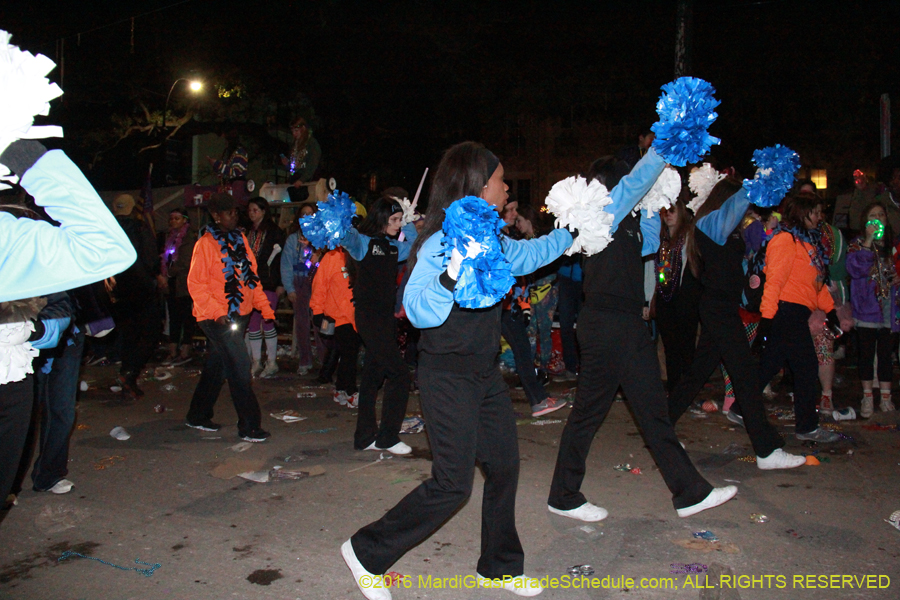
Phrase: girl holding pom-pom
[719,241]
[616,351]
[464,397]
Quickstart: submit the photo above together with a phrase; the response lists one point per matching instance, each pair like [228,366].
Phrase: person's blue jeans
[569,305]
[227,359]
[55,397]
[516,335]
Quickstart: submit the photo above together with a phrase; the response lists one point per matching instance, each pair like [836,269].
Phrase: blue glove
[48,331]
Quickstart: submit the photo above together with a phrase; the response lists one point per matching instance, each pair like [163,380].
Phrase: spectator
[175,264]
[223,300]
[298,265]
[266,242]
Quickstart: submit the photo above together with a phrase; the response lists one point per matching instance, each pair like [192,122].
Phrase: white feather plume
[701,182]
[25,92]
[663,194]
[579,205]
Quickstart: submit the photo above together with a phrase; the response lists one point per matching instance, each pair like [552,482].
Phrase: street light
[194,84]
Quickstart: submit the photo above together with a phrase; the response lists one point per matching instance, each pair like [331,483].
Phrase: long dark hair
[682,229]
[796,208]
[462,172]
[377,217]
[603,170]
[263,205]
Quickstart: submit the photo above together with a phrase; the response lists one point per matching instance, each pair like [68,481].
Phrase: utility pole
[684,37]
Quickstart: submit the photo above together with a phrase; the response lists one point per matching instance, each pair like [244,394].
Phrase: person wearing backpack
[796,285]
[717,236]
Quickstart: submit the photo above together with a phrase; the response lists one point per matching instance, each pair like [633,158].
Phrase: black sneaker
[256,435]
[206,425]
[129,385]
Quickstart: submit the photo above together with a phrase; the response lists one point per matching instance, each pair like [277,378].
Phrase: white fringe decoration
[701,182]
[25,92]
[579,205]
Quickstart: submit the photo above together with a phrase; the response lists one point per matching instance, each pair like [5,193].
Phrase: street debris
[685,569]
[240,446]
[580,570]
[707,535]
[894,519]
[234,466]
[279,473]
[306,394]
[105,463]
[288,416]
[120,434]
[144,572]
[758,518]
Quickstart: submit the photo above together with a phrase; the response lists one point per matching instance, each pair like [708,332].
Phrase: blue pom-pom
[484,280]
[686,110]
[325,228]
[776,167]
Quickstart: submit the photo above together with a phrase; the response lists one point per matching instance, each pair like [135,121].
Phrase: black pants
[227,359]
[181,320]
[791,343]
[723,340]
[140,326]
[16,401]
[870,341]
[383,362]
[469,418]
[569,305]
[615,350]
[677,321]
[347,342]
[516,335]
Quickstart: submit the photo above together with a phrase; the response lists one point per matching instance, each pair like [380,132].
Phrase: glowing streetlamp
[195,86]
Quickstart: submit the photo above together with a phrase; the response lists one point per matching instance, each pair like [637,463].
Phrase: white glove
[473,249]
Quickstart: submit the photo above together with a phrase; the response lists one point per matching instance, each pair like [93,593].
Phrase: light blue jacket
[37,258]
[428,301]
[357,244]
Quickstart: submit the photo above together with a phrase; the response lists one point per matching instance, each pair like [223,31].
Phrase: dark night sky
[394,83]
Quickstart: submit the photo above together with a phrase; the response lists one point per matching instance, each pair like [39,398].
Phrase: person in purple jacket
[873,296]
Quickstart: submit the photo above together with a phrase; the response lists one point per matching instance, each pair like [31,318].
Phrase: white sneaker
[353,400]
[340,396]
[886,405]
[779,459]
[365,581]
[399,448]
[519,585]
[867,407]
[587,512]
[270,370]
[255,369]
[63,486]
[716,497]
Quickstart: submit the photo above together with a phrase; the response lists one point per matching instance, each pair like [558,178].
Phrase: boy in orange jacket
[225,289]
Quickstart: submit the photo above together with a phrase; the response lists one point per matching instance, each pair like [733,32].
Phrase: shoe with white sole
[547,406]
[779,459]
[735,418]
[270,371]
[340,396]
[398,448]
[587,512]
[519,585]
[256,369]
[886,405]
[63,486]
[867,407]
[353,400]
[365,581]
[716,497]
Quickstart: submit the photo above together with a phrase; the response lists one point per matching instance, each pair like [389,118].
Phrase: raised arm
[527,256]
[719,224]
[634,186]
[38,258]
[356,244]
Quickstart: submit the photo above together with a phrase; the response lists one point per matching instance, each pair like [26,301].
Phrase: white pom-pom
[663,194]
[701,182]
[579,205]
[25,92]
[409,210]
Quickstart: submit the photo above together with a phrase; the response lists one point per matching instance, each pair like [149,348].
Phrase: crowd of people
[764,288]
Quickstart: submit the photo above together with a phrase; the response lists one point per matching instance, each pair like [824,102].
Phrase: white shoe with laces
[519,585]
[867,407]
[587,512]
[779,459]
[365,581]
[715,498]
[63,486]
[270,371]
[886,405]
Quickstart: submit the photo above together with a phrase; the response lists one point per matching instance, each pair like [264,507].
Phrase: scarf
[820,256]
[234,257]
[173,243]
[668,267]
